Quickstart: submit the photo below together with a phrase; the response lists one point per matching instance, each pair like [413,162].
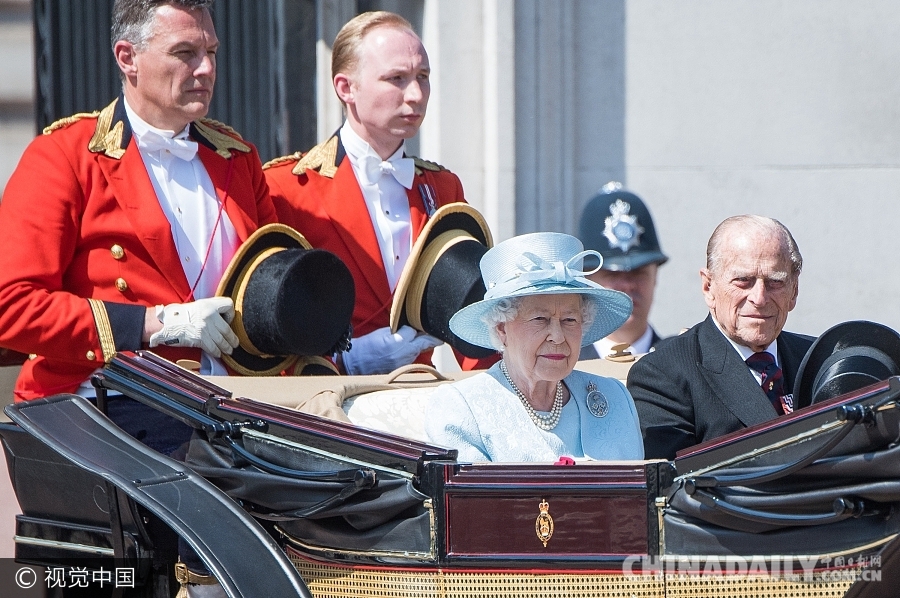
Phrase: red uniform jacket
[87,247]
[317,193]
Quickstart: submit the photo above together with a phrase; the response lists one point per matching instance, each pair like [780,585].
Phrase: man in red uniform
[117,225]
[358,194]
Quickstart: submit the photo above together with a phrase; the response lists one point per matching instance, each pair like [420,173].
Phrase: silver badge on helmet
[622,229]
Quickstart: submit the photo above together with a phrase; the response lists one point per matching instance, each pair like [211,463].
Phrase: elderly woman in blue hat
[539,310]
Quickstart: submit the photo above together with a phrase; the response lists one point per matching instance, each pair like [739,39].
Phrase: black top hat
[442,275]
[290,300]
[845,358]
[616,223]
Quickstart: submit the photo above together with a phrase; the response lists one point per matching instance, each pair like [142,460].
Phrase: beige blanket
[327,395]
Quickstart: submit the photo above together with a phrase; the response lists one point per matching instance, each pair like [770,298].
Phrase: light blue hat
[540,264]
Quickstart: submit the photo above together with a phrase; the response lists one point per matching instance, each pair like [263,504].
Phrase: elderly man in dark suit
[737,367]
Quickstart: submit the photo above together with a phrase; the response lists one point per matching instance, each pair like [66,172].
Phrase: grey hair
[507,309]
[761,224]
[133,20]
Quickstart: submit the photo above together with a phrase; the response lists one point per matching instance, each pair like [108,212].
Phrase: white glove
[203,323]
[381,351]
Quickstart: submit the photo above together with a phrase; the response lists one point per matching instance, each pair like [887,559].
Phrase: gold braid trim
[426,165]
[65,122]
[220,125]
[104,330]
[320,158]
[282,160]
[223,142]
[107,139]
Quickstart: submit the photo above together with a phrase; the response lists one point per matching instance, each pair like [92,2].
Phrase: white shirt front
[388,206]
[203,233]
[746,352]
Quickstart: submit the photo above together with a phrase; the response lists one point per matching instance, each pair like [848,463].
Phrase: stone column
[330,17]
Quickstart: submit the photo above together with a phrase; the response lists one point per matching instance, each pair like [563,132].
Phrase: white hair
[507,309]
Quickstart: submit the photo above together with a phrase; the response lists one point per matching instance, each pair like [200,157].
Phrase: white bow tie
[180,148]
[372,168]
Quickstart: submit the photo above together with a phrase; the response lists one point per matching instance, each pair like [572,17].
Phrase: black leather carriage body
[821,481]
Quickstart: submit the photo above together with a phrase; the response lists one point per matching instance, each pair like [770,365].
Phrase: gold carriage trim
[104,329]
[337,581]
[543,525]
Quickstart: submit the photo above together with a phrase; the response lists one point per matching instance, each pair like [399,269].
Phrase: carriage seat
[392,403]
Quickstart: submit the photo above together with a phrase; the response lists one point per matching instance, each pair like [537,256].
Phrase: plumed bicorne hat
[847,357]
[442,275]
[540,264]
[617,224]
[292,304]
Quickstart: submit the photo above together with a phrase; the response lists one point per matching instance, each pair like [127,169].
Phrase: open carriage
[280,502]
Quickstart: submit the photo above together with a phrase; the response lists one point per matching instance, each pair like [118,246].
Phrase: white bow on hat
[372,168]
[152,141]
[532,269]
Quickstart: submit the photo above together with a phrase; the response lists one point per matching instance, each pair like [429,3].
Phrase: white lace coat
[483,418]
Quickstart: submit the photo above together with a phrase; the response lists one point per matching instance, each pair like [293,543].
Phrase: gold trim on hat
[424,265]
[422,241]
[249,245]
[237,293]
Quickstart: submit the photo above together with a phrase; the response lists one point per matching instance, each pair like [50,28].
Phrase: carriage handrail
[849,414]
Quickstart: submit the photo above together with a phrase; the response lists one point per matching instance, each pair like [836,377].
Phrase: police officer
[616,223]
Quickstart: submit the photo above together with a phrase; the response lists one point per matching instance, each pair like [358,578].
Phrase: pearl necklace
[544,422]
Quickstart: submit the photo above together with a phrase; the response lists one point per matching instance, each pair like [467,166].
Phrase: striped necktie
[772,381]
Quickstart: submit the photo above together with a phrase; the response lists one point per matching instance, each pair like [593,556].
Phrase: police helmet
[617,224]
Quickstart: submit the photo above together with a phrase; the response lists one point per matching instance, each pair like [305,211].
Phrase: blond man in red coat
[117,225]
[358,194]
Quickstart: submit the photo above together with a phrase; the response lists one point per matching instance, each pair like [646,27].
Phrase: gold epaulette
[220,125]
[65,122]
[426,165]
[223,142]
[319,158]
[282,160]
[107,138]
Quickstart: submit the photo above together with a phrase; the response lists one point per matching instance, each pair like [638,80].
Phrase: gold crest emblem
[543,525]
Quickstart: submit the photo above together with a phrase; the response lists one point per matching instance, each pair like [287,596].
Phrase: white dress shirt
[746,352]
[203,233]
[387,202]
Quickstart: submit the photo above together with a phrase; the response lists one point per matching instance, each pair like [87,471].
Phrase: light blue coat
[484,420]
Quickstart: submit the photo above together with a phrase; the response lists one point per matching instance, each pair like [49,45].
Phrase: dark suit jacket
[589,352]
[696,387]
